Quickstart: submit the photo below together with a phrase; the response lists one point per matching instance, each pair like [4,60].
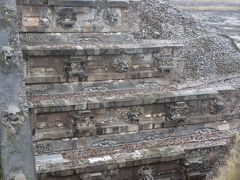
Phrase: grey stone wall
[16,160]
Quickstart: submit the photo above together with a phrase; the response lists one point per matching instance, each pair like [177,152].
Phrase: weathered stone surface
[105,96]
[118,3]
[75,15]
[119,61]
[17,161]
[20,176]
[73,3]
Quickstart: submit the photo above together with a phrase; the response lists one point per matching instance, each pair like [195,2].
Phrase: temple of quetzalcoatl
[103,101]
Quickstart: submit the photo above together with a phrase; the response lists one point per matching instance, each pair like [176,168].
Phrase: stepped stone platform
[100,62]
[104,100]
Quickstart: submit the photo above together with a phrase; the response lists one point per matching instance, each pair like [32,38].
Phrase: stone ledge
[32,2]
[118,3]
[134,47]
[75,3]
[107,76]
[189,133]
[32,39]
[45,102]
[82,3]
[69,160]
[57,162]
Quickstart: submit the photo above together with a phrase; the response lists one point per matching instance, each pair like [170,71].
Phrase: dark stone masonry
[113,90]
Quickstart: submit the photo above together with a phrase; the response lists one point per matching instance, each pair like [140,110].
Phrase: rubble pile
[208,55]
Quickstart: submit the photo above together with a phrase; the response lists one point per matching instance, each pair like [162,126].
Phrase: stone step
[136,59]
[55,163]
[79,163]
[120,86]
[131,46]
[164,136]
[129,97]
[66,116]
[47,39]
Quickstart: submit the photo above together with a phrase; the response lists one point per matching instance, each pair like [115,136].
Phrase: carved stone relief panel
[63,124]
[203,159]
[42,89]
[41,148]
[76,69]
[83,122]
[199,107]
[163,63]
[176,114]
[206,106]
[45,66]
[53,121]
[81,18]
[121,64]
[217,106]
[154,113]
[67,17]
[131,115]
[146,173]
[112,16]
[135,114]
[36,16]
[13,119]
[92,68]
[118,63]
[89,19]
[6,54]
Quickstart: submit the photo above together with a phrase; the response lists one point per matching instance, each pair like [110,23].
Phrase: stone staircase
[101,104]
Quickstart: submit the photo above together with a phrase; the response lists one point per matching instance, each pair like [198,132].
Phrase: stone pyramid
[102,100]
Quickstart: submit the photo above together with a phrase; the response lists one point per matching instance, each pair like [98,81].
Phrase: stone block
[33,2]
[73,3]
[118,3]
[65,173]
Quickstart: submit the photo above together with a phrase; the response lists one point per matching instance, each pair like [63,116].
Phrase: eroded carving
[176,114]
[120,65]
[217,107]
[48,70]
[134,115]
[76,69]
[45,19]
[146,173]
[111,17]
[82,120]
[162,63]
[6,54]
[13,119]
[43,148]
[67,18]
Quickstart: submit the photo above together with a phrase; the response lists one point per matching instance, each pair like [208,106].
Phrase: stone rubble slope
[207,55]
